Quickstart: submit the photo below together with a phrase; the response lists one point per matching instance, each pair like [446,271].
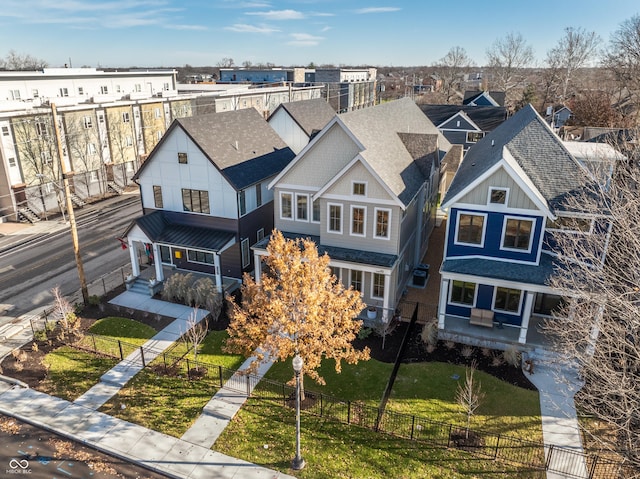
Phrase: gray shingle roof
[311,115]
[240,143]
[536,149]
[164,227]
[379,130]
[487,118]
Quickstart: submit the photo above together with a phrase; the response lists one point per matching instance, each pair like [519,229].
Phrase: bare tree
[19,61]
[196,332]
[599,329]
[84,145]
[622,56]
[575,50]
[506,58]
[469,395]
[225,63]
[67,319]
[450,70]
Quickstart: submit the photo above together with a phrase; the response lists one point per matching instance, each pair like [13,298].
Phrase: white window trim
[354,182]
[484,229]
[260,234]
[242,250]
[462,305]
[361,279]
[504,230]
[493,301]
[364,222]
[375,223]
[373,286]
[200,262]
[290,194]
[329,230]
[506,197]
[300,195]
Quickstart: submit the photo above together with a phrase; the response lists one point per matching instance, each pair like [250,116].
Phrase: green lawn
[428,390]
[211,351]
[72,372]
[124,329]
[264,433]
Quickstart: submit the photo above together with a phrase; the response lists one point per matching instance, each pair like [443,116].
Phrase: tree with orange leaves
[296,307]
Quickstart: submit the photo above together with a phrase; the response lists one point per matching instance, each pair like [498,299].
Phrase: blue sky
[146,33]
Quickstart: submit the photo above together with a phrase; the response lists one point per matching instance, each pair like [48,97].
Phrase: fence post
[93,339]
[548,461]
[321,405]
[348,412]
[248,383]
[220,374]
[142,357]
[188,370]
[33,331]
[413,425]
[120,347]
[284,397]
[164,360]
[495,453]
[593,466]
[449,435]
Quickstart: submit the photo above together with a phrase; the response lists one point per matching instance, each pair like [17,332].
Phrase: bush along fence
[480,443]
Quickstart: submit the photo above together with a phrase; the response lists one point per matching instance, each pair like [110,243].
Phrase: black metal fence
[502,447]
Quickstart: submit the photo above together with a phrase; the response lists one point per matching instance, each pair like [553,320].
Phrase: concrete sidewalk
[154,450]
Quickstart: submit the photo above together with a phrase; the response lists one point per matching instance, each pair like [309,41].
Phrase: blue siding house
[505,206]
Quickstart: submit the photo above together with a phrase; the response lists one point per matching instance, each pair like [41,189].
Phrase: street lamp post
[297,463]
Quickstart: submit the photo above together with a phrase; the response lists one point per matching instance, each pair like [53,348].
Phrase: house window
[258,195]
[88,122]
[286,206]
[507,300]
[104,90]
[260,234]
[93,176]
[378,286]
[547,304]
[165,254]
[358,215]
[316,211]
[194,256]
[91,149]
[45,156]
[474,136]
[196,201]
[118,89]
[517,234]
[462,292]
[498,196]
[244,245]
[125,117]
[383,217]
[157,196]
[35,93]
[157,112]
[335,218]
[567,223]
[12,162]
[356,279]
[302,207]
[80,91]
[5,131]
[182,158]
[128,141]
[359,188]
[137,87]
[165,86]
[41,128]
[15,94]
[470,229]
[242,203]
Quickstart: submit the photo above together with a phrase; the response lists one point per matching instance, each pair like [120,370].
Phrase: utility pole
[71,214]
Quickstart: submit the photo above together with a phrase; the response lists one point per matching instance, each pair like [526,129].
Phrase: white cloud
[186,27]
[377,10]
[279,14]
[304,40]
[244,28]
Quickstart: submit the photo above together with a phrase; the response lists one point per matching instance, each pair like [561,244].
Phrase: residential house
[365,190]
[505,206]
[465,124]
[204,194]
[484,98]
[299,121]
[557,116]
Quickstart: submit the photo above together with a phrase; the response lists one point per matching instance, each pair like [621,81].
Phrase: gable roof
[394,155]
[310,115]
[528,139]
[240,143]
[480,98]
[487,118]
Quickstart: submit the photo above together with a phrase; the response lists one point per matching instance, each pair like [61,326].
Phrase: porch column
[526,316]
[257,266]
[135,266]
[157,262]
[385,300]
[216,263]
[442,302]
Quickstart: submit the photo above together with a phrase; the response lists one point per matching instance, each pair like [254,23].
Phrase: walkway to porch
[228,284]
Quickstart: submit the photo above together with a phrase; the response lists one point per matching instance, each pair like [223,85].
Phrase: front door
[180,257]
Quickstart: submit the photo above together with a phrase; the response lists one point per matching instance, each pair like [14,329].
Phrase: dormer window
[182,158]
[359,188]
[498,196]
